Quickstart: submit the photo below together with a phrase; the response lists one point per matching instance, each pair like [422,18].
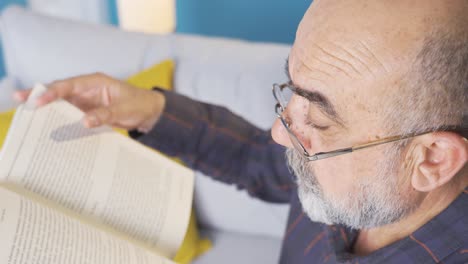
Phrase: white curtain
[94,11]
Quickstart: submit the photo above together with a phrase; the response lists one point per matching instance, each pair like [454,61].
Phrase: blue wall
[113,13]
[257,20]
[3,4]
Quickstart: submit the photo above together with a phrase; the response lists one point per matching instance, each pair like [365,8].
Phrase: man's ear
[440,157]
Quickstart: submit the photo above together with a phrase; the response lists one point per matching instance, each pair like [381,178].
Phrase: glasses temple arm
[323,155]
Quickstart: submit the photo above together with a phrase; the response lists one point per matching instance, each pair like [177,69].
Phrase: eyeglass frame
[279,110]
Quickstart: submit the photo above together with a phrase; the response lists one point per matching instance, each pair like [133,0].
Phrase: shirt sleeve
[213,140]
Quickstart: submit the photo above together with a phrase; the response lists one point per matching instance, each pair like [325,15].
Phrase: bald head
[391,28]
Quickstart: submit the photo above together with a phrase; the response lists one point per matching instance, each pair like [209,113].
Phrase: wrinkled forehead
[356,51]
[393,29]
[390,31]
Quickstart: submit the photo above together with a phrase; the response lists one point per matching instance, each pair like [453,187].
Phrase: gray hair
[434,92]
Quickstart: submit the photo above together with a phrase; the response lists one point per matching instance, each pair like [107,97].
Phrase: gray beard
[372,203]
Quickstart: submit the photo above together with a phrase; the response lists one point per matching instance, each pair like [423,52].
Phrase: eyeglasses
[280,107]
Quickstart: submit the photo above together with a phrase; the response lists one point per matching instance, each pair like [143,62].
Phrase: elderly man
[375,133]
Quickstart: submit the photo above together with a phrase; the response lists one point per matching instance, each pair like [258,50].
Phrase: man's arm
[218,143]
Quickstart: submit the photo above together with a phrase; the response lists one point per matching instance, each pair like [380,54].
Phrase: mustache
[302,170]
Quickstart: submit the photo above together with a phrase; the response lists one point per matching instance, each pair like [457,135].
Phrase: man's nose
[280,134]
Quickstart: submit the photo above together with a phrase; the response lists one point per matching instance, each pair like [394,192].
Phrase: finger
[68,88]
[21,96]
[98,117]
[56,90]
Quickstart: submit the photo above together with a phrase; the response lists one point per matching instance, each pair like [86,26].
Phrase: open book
[74,195]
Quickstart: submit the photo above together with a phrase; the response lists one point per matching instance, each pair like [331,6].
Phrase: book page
[33,233]
[98,173]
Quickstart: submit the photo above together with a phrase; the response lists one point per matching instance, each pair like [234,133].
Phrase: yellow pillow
[5,121]
[158,75]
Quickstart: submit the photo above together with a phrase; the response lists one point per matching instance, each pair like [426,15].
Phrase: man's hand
[105,101]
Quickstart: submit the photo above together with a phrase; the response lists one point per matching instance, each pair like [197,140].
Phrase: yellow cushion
[158,75]
[5,121]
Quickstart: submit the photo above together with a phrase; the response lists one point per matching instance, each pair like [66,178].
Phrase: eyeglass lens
[283,95]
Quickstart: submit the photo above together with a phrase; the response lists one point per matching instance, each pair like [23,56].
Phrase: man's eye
[318,127]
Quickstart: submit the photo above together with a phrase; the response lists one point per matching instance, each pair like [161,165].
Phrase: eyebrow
[314,97]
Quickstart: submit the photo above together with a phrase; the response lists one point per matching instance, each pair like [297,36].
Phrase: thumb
[98,117]
[21,96]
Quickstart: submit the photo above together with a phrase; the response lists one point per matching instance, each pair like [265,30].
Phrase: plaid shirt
[213,140]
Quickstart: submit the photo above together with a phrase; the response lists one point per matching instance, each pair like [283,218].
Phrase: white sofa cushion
[233,73]
[41,49]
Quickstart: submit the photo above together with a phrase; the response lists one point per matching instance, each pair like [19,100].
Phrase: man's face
[354,54]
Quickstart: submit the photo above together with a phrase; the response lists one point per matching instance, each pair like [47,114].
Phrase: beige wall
[150,16]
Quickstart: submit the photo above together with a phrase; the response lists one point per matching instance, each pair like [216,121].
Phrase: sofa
[233,73]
